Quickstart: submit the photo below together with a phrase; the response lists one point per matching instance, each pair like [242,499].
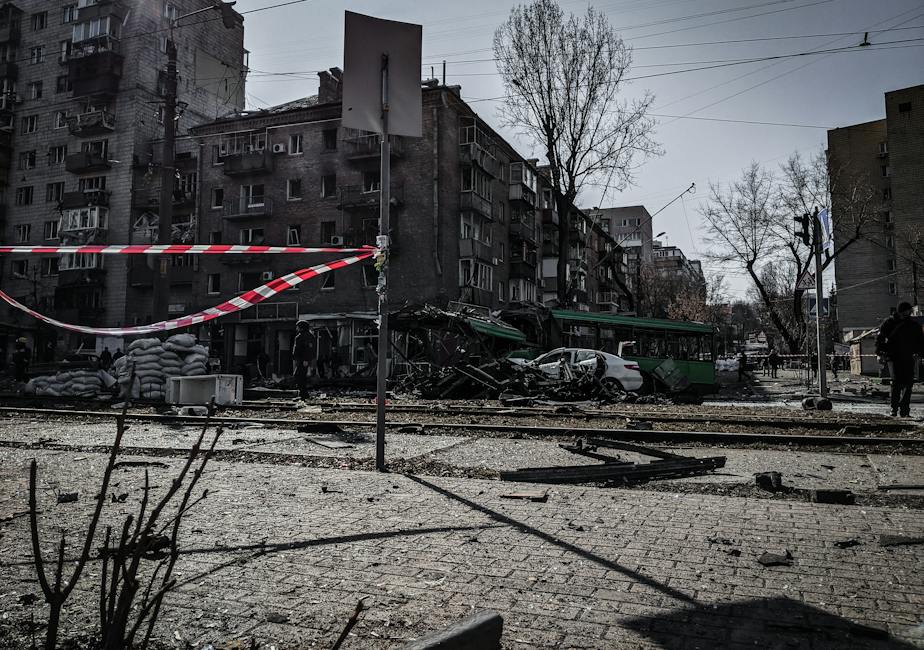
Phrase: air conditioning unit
[266,276]
[336,240]
[279,147]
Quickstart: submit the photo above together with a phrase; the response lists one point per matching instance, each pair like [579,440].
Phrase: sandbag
[144,344]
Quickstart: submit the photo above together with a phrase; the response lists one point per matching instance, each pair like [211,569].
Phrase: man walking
[774,360]
[899,340]
[303,356]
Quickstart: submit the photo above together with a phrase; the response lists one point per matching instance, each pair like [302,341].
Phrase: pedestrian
[303,356]
[774,359]
[105,358]
[118,355]
[899,340]
[22,356]
[742,365]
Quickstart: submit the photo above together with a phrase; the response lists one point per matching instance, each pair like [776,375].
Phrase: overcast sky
[827,90]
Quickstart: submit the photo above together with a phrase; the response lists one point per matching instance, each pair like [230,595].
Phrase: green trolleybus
[647,341]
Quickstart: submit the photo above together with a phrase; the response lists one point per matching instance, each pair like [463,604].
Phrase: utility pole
[161,309]
[914,282]
[382,289]
[818,243]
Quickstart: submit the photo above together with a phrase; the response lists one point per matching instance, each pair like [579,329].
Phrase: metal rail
[614,434]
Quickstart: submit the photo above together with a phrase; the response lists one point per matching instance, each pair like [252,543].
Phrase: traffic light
[805,223]
[229,17]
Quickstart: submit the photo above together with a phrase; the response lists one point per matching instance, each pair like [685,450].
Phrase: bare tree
[563,78]
[680,296]
[751,224]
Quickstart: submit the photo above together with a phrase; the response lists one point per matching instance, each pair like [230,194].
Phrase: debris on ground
[67,497]
[540,496]
[899,540]
[613,470]
[771,482]
[848,543]
[775,559]
[837,497]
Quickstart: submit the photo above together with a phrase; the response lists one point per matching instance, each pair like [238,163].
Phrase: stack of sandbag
[70,383]
[152,361]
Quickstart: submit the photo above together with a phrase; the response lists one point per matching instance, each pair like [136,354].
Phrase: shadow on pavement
[560,543]
[772,623]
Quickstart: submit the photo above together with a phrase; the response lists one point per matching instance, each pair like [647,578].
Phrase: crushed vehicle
[612,371]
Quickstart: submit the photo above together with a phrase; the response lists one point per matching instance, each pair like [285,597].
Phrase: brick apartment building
[465,220]
[80,107]
[631,228]
[877,272]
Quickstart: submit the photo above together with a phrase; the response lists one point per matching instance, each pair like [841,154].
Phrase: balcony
[550,216]
[476,203]
[95,67]
[81,277]
[9,70]
[361,147]
[524,268]
[243,260]
[139,275]
[95,123]
[254,208]
[248,162]
[474,154]
[576,234]
[524,231]
[9,32]
[85,162]
[473,248]
[101,9]
[353,197]
[522,194]
[608,298]
[71,200]
[88,316]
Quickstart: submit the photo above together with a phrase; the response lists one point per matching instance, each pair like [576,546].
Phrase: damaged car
[612,370]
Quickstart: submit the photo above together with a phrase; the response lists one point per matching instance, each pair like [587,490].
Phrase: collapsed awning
[501,331]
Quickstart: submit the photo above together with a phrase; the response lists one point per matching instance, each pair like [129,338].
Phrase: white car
[618,371]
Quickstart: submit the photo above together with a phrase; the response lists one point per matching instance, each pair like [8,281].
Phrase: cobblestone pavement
[588,568]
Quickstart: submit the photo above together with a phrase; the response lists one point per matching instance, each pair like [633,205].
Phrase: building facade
[81,107]
[879,270]
[631,227]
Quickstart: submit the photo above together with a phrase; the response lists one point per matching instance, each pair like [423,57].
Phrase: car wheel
[613,384]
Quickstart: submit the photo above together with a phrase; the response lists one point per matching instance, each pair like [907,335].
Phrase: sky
[802,95]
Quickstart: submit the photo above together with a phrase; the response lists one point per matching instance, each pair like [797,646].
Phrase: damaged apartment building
[467,214]
[81,106]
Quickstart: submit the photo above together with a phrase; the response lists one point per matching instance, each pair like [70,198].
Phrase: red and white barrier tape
[239,303]
[182,249]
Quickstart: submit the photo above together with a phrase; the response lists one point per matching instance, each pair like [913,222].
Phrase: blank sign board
[367,40]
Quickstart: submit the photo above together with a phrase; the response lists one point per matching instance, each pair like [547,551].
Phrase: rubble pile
[72,383]
[504,379]
[152,361]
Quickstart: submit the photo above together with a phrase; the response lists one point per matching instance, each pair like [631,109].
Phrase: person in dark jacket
[105,359]
[774,360]
[303,356]
[899,340]
[22,356]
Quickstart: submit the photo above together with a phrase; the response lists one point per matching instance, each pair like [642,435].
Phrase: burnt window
[329,139]
[904,107]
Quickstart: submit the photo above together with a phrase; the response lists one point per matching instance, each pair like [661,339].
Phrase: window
[293,236]
[294,189]
[329,282]
[74,261]
[892,289]
[886,171]
[35,90]
[218,197]
[887,217]
[329,139]
[214,283]
[328,231]
[164,44]
[252,195]
[904,107]
[91,183]
[61,119]
[475,274]
[23,232]
[88,218]
[295,144]
[27,160]
[64,51]
[51,229]
[39,21]
[69,14]
[328,185]
[251,236]
[215,237]
[890,242]
[370,276]
[887,194]
[30,124]
[63,84]
[371,181]
[49,266]
[890,265]
[248,280]
[96,147]
[170,11]
[20,268]
[500,292]
[54,192]
[95,28]
[57,154]
[24,195]
[37,54]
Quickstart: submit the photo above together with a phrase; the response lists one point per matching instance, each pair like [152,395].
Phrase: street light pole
[382,244]
[167,173]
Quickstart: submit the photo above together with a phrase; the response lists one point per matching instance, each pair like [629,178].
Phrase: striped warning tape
[182,249]
[239,303]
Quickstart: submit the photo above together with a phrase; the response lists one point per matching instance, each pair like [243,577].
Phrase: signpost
[381,94]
